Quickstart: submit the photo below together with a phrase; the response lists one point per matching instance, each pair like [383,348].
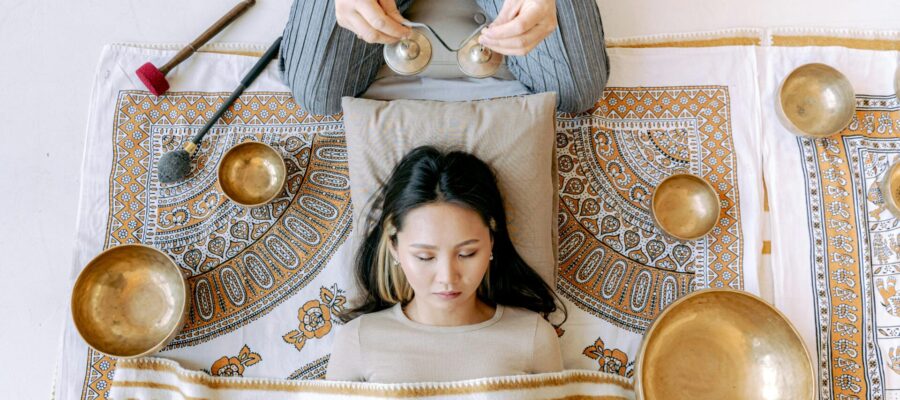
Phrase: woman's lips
[448,295]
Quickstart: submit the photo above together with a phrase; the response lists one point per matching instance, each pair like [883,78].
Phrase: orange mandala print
[239,263]
[311,371]
[855,255]
[316,317]
[614,262]
[613,361]
[234,366]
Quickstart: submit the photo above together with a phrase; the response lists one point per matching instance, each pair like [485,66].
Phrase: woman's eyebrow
[470,241]
[432,247]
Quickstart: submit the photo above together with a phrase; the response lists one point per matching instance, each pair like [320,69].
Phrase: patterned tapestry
[833,236]
[855,251]
[615,263]
[617,270]
[239,263]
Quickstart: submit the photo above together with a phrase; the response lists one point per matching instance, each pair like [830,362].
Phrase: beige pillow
[514,135]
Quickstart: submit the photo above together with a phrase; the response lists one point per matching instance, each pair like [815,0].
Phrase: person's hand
[520,26]
[375,21]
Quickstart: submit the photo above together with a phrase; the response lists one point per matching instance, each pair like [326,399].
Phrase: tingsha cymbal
[409,56]
[478,61]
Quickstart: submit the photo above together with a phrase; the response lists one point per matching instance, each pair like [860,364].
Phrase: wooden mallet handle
[213,30]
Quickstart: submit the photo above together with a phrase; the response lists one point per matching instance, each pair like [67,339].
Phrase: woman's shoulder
[523,317]
[529,319]
[512,312]
[371,319]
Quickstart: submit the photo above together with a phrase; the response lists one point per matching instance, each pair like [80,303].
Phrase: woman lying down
[445,294]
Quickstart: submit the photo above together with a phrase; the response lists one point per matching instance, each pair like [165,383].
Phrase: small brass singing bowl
[816,100]
[685,206]
[890,189]
[723,344]
[130,301]
[251,174]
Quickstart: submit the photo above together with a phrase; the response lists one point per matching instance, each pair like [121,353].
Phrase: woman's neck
[470,313]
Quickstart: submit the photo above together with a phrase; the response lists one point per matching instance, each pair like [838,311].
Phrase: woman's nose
[448,270]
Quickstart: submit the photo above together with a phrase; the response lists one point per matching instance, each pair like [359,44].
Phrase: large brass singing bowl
[816,100]
[685,206]
[723,344]
[890,189]
[251,174]
[129,301]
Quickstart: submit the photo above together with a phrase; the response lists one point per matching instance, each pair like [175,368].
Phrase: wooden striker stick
[213,30]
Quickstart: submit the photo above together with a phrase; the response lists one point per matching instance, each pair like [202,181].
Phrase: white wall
[48,53]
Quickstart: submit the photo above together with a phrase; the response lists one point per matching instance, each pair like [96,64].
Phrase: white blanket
[163,379]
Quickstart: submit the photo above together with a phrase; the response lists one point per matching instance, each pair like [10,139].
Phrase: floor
[50,50]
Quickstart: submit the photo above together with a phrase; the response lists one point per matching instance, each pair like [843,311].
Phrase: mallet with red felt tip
[155,78]
[176,165]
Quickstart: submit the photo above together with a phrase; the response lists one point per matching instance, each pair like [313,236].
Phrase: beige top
[388,347]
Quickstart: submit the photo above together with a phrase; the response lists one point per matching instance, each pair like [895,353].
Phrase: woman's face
[444,250]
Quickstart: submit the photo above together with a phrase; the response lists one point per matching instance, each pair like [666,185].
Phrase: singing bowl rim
[176,328]
[274,193]
[706,183]
[886,191]
[790,125]
[648,335]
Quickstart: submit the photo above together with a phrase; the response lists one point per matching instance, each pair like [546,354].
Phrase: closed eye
[425,258]
[468,255]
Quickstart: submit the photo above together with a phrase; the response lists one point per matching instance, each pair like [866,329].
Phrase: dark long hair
[427,175]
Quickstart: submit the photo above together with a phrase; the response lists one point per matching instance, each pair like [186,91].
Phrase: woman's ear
[492,228]
[392,247]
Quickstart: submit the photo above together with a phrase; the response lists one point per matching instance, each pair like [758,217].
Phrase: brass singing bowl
[685,206]
[723,344]
[816,100]
[251,174]
[129,301]
[890,189]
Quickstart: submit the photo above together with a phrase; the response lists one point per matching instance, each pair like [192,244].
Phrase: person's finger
[366,32]
[380,21]
[510,51]
[524,22]
[391,10]
[507,12]
[517,45]
[340,14]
